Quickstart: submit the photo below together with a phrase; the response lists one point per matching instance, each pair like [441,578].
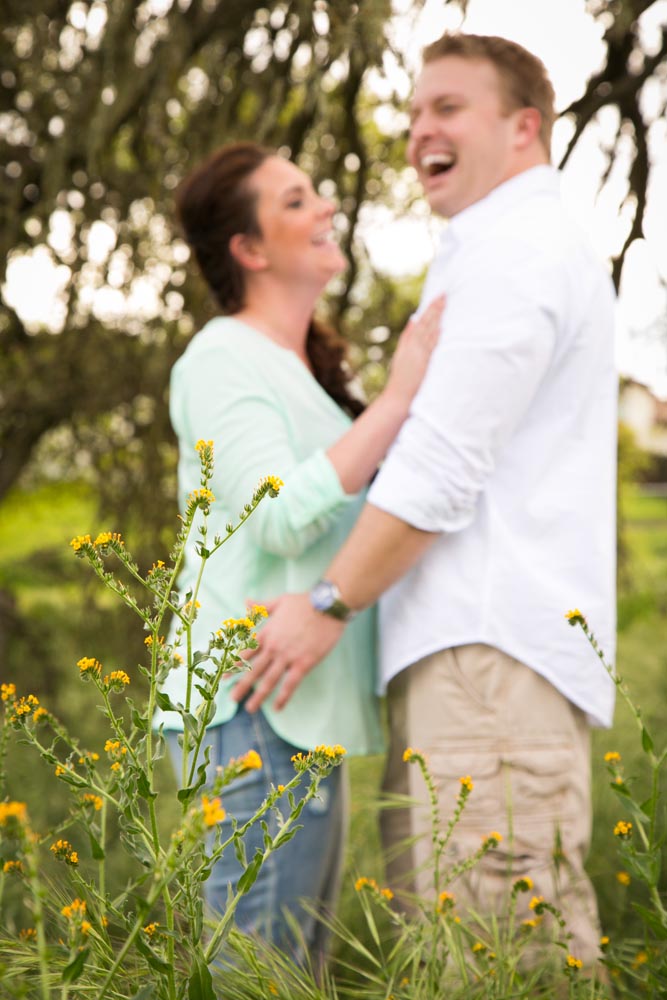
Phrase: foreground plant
[639,968]
[152,939]
[441,953]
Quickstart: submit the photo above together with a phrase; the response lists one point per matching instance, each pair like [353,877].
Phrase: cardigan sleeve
[218,395]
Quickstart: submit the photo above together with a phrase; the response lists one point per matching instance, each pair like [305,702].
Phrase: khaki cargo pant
[476,711]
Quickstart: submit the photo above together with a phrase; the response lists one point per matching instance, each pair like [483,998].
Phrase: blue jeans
[308,867]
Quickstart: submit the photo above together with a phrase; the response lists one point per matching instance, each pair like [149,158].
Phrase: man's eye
[296,203]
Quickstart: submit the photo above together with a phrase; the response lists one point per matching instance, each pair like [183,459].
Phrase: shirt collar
[542,179]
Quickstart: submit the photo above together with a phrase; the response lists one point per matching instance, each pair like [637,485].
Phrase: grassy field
[60,614]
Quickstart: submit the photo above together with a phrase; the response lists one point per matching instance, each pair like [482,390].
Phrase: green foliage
[68,921]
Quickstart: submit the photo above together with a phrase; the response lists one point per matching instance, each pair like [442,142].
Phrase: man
[494,511]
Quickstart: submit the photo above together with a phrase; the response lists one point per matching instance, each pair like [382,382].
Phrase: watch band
[326,598]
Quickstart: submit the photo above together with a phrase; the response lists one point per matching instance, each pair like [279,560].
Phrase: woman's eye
[295,203]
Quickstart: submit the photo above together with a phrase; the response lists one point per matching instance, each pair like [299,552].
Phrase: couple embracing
[492,512]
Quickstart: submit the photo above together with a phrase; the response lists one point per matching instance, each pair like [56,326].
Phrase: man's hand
[291,643]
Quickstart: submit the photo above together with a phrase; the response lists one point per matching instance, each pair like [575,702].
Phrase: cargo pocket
[485,803]
[540,793]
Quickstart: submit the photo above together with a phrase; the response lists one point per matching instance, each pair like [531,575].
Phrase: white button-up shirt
[509,453]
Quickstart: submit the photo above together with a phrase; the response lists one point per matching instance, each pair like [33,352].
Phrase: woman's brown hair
[214,202]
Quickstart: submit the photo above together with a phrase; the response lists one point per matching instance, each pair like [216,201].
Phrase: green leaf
[155,963]
[186,795]
[143,786]
[249,876]
[283,838]
[647,742]
[72,971]
[652,920]
[200,983]
[96,848]
[645,867]
[144,993]
[164,702]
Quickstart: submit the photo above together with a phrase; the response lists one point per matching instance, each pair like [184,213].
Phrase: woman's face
[297,238]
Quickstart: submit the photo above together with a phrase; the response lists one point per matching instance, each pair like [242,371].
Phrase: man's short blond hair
[523,77]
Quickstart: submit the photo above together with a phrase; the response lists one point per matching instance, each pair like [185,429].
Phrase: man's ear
[529,121]
[247,251]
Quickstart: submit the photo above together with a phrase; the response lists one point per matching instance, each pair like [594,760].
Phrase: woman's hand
[413,353]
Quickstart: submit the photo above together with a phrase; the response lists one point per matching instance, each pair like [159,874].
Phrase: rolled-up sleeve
[497,341]
[219,397]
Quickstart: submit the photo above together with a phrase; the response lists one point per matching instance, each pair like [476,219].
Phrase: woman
[268,385]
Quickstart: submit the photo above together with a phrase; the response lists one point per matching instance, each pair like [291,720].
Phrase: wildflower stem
[37,893]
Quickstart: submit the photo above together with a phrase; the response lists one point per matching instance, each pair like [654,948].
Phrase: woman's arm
[357,454]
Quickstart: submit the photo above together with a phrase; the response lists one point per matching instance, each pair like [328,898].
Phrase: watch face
[322,595]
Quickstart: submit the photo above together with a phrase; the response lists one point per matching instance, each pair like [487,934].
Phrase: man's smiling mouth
[434,164]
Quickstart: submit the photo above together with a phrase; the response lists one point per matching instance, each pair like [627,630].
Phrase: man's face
[462,141]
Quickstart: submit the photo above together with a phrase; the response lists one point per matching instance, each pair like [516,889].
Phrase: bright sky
[569,42]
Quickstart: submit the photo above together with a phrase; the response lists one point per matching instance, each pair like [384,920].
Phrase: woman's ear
[247,251]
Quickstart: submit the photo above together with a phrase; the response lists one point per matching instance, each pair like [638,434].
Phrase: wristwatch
[325,597]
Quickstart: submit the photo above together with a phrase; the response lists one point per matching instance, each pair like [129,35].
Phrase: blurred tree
[104,107]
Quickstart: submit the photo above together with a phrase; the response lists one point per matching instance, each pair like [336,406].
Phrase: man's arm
[379,550]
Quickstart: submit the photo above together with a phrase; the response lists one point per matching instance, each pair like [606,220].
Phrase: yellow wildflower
[89,665]
[89,799]
[108,536]
[63,849]
[202,497]
[13,811]
[271,485]
[79,542]
[213,811]
[641,958]
[387,893]
[7,691]
[86,926]
[75,909]
[535,902]
[117,679]
[232,624]
[574,963]
[203,445]
[612,757]
[331,753]
[466,783]
[575,617]
[148,641]
[259,611]
[623,878]
[28,934]
[251,761]
[12,866]
[493,838]
[445,901]
[524,884]
[39,714]
[115,749]
[623,829]
[364,882]
[479,946]
[604,941]
[26,705]
[529,924]
[150,929]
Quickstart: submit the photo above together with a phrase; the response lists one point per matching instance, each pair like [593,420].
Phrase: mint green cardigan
[267,415]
